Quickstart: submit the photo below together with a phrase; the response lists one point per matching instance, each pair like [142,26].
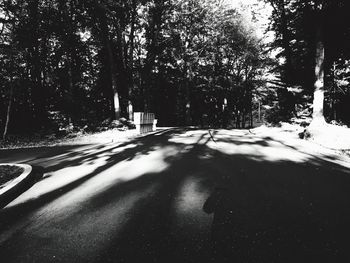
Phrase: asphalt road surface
[179,196]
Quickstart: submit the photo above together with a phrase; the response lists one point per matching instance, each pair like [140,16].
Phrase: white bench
[144,122]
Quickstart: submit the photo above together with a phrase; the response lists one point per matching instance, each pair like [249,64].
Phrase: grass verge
[9,173]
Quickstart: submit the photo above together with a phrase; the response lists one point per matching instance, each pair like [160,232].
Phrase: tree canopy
[190,62]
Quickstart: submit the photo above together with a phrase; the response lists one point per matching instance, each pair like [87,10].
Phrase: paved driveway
[179,196]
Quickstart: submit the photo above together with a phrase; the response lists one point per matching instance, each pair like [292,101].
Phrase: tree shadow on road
[262,210]
[75,159]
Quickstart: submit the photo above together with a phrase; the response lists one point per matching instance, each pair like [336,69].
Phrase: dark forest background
[80,64]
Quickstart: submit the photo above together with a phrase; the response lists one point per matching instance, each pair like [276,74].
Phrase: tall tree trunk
[130,60]
[110,58]
[70,98]
[132,37]
[286,45]
[37,92]
[318,121]
[251,118]
[318,102]
[113,79]
[71,55]
[122,67]
[8,114]
[153,31]
[243,119]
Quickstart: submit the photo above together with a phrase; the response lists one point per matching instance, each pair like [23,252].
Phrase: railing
[144,122]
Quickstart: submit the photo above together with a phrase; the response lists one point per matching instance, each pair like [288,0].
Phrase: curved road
[179,196]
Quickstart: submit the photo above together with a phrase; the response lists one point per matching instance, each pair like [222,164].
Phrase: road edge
[16,184]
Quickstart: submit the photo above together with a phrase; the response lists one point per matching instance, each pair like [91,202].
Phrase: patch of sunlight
[117,173]
[74,155]
[152,163]
[273,152]
[230,133]
[188,205]
[73,199]
[239,140]
[87,230]
[97,176]
[191,137]
[205,156]
[112,174]
[126,147]
[57,180]
[109,221]
[164,152]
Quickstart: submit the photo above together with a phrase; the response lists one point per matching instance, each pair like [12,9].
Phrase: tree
[310,38]
[318,102]
[82,62]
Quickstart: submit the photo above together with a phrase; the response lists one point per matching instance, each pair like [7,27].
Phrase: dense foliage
[313,35]
[82,62]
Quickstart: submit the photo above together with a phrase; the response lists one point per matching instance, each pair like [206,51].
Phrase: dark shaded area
[293,223]
[264,211]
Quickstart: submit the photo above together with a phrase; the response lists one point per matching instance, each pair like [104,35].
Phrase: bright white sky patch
[262,12]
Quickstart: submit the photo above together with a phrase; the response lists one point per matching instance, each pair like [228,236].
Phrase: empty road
[179,196]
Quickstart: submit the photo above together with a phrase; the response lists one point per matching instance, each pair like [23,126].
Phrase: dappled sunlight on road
[56,180]
[77,233]
[188,204]
[190,137]
[144,199]
[154,162]
[256,148]
[260,153]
